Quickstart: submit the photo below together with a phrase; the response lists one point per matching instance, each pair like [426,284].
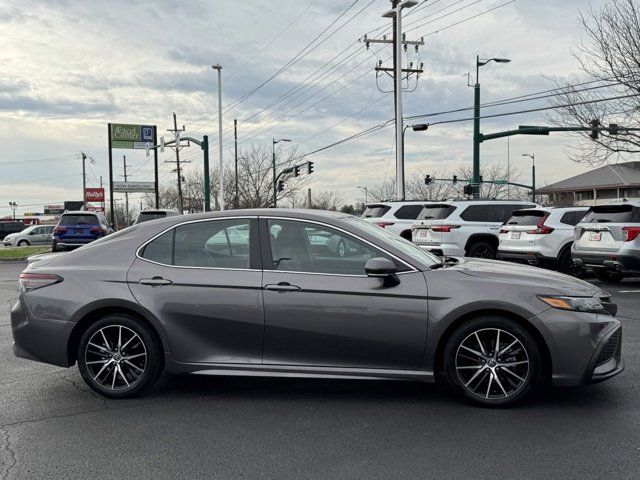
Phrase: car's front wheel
[23,243]
[119,357]
[492,361]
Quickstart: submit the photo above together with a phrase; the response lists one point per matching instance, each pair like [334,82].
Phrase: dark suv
[10,227]
[79,228]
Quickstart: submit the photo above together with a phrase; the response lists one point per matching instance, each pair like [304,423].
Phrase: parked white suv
[397,217]
[461,228]
[541,237]
[607,240]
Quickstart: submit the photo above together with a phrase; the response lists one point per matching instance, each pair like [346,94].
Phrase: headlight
[579,304]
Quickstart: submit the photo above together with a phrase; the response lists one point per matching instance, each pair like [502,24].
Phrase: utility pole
[235,141]
[309,203]
[218,67]
[176,133]
[399,43]
[84,181]
[103,199]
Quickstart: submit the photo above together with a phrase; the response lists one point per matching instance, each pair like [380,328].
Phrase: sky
[69,68]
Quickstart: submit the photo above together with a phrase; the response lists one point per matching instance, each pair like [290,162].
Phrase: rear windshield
[146,216]
[375,211]
[79,220]
[436,212]
[612,214]
[526,217]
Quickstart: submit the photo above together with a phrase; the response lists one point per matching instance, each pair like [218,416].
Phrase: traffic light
[309,167]
[455,179]
[296,171]
[468,190]
[427,180]
[614,128]
[594,132]
[280,185]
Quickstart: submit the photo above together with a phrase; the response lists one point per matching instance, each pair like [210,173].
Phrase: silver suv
[608,240]
[394,216]
[461,228]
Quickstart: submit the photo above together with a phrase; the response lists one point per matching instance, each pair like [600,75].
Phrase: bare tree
[327,200]
[383,191]
[417,189]
[610,56]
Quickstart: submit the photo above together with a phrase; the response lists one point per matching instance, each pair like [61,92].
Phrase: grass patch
[21,253]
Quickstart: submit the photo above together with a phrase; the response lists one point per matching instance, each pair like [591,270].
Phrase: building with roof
[596,187]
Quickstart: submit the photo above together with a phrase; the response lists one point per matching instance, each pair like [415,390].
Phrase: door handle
[282,287]
[155,281]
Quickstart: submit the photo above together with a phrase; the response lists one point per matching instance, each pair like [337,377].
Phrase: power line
[36,160]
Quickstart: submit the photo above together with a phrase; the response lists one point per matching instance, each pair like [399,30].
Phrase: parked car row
[604,238]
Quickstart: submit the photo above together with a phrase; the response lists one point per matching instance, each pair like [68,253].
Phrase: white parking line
[628,291]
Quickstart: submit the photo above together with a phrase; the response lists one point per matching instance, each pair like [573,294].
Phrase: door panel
[329,313]
[210,315]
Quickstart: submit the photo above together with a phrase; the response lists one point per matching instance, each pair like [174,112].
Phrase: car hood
[513,273]
[11,236]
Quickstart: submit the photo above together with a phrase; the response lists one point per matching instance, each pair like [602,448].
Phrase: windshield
[375,211]
[436,212]
[400,243]
[612,214]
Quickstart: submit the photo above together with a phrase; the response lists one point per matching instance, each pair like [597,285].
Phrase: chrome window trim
[257,217]
[240,217]
[377,247]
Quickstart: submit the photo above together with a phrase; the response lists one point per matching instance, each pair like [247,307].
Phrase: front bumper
[607,360]
[625,264]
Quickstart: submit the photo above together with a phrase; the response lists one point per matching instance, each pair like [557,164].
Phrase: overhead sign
[124,135]
[94,194]
[131,187]
[53,209]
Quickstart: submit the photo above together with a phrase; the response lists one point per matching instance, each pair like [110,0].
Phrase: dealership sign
[124,135]
[94,194]
[131,187]
[53,209]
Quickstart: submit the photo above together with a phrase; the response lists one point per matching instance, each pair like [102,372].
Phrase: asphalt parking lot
[51,426]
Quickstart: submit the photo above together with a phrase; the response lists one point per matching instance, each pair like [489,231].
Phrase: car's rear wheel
[607,276]
[119,357]
[54,246]
[492,361]
[481,250]
[23,243]
[568,266]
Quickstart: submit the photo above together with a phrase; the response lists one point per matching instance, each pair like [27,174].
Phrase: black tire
[566,265]
[515,378]
[54,246]
[141,352]
[607,276]
[23,243]
[481,250]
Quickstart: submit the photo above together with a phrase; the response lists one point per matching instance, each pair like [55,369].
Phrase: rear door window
[436,212]
[612,214]
[475,213]
[79,219]
[375,211]
[526,217]
[408,212]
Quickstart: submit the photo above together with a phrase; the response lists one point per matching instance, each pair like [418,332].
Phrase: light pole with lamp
[476,121]
[532,156]
[14,206]
[218,67]
[275,186]
[366,194]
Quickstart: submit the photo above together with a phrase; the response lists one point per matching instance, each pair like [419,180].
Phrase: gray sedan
[248,292]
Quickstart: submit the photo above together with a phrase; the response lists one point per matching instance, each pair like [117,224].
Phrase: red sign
[94,208]
[94,195]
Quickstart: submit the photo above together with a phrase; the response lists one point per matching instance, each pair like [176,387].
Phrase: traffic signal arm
[612,129]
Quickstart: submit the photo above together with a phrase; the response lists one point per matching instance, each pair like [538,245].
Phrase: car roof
[80,212]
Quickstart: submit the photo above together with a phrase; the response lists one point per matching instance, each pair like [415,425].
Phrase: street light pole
[235,142]
[14,206]
[273,162]
[532,156]
[476,122]
[218,67]
[366,194]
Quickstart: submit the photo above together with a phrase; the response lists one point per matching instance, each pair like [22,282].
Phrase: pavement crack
[6,466]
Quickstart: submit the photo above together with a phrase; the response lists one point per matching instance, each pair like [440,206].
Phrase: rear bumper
[443,249]
[626,264]
[530,258]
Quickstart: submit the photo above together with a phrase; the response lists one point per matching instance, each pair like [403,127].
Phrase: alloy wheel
[492,363]
[116,357]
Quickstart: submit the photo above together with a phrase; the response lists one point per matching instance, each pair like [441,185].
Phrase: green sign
[124,135]
[499,182]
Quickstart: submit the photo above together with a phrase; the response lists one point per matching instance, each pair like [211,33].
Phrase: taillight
[384,224]
[60,229]
[541,228]
[502,230]
[443,228]
[631,233]
[97,230]
[31,281]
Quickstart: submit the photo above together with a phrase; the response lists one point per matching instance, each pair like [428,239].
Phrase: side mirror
[380,268]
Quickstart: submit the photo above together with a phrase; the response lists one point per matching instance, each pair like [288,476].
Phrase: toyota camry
[253,292]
